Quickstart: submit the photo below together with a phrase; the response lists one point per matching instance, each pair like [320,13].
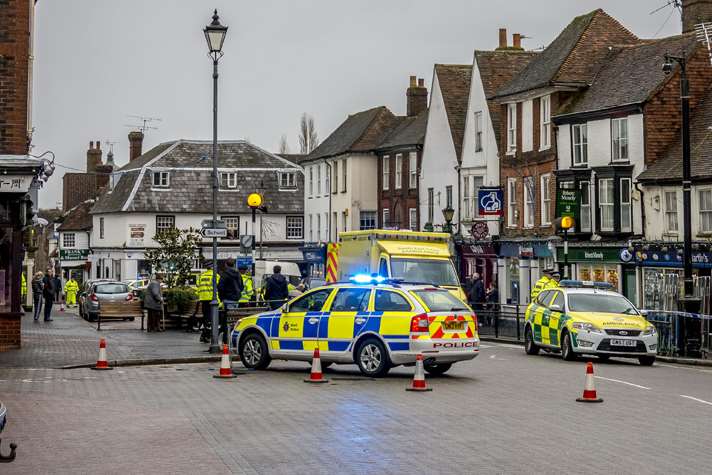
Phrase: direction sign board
[214,232]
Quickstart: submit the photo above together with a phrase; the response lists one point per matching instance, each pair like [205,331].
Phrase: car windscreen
[429,271]
[438,300]
[604,303]
[111,289]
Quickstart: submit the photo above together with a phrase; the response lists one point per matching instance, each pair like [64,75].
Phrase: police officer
[248,291]
[70,289]
[550,280]
[205,295]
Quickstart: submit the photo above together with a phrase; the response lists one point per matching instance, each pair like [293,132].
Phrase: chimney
[502,38]
[695,12]
[416,97]
[135,144]
[93,156]
[517,41]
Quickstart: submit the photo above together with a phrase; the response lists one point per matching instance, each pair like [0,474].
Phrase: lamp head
[215,34]
[667,65]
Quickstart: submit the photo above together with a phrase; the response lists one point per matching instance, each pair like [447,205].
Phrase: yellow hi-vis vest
[542,284]
[205,285]
[249,288]
[71,286]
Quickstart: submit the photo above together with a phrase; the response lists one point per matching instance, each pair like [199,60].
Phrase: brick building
[80,187]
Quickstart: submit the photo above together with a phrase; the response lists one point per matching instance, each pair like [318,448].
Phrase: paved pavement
[504,412]
[70,340]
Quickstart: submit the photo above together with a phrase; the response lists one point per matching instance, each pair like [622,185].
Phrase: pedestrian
[70,290]
[48,292]
[153,301]
[37,287]
[205,296]
[492,301]
[57,289]
[550,280]
[276,288]
[248,286]
[477,294]
[230,291]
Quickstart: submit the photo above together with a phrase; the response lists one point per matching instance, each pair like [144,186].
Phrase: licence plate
[623,342]
[454,325]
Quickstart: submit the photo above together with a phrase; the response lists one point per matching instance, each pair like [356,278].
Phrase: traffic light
[564,223]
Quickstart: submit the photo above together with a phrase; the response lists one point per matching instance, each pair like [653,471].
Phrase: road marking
[622,382]
[501,345]
[696,399]
[683,367]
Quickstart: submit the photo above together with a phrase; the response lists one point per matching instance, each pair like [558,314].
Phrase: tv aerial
[146,123]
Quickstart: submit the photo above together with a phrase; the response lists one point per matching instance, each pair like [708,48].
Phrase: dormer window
[228,180]
[288,180]
[161,179]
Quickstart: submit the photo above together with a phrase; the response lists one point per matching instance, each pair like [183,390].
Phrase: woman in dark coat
[153,301]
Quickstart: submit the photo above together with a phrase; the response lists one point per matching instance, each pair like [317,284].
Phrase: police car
[588,318]
[373,322]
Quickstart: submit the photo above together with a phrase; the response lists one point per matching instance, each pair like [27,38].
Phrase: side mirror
[556,308]
[285,308]
[643,313]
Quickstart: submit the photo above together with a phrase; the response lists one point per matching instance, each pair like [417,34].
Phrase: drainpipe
[459,200]
[328,217]
[642,207]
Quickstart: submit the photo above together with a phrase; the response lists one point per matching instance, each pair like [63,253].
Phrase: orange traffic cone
[418,383]
[225,366]
[316,375]
[589,390]
[102,363]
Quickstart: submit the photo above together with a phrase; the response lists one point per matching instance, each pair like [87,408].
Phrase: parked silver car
[102,292]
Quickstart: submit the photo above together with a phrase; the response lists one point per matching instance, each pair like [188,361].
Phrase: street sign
[214,232]
[208,223]
[490,201]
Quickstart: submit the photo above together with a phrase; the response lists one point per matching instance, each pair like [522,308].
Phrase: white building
[169,187]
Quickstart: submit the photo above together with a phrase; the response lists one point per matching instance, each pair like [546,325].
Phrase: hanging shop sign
[479,230]
[490,201]
[137,235]
[73,254]
[587,254]
[15,183]
[567,203]
[670,256]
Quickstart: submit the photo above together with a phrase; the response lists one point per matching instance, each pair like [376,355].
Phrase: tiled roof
[669,166]
[574,56]
[78,218]
[190,169]
[360,132]
[454,81]
[408,131]
[630,75]
[496,69]
[293,157]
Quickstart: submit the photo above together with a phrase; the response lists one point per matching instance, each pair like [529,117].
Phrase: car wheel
[372,358]
[437,369]
[567,351]
[646,360]
[529,346]
[253,352]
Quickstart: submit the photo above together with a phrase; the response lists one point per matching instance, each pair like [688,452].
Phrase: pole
[214,345]
[566,253]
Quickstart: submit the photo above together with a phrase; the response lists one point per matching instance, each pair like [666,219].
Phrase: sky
[98,62]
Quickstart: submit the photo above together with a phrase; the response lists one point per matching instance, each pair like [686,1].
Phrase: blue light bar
[367,279]
[585,284]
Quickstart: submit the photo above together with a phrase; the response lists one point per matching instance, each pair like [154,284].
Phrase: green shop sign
[73,254]
[589,254]
[567,203]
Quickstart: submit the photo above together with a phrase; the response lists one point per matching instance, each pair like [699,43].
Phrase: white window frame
[101,228]
[287,180]
[412,219]
[579,144]
[165,219]
[228,180]
[311,182]
[466,197]
[475,194]
[318,227]
[371,216]
[318,179]
[626,206]
[672,225]
[161,179]
[529,200]
[311,228]
[69,240]
[585,225]
[335,180]
[344,176]
[602,185]
[413,170]
[512,221]
[386,217]
[431,205]
[545,187]
[399,171]
[448,196]
[545,122]
[511,129]
[619,142]
[478,132]
[295,227]
[386,172]
[233,232]
[704,212]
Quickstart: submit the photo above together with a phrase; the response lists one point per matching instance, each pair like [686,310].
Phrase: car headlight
[650,330]
[586,326]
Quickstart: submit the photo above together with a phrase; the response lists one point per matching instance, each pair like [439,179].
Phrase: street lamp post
[448,214]
[215,36]
[689,303]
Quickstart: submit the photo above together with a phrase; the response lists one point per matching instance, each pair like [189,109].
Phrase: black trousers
[49,301]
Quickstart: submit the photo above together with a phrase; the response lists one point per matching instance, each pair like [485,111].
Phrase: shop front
[519,266]
[73,263]
[477,257]
[613,264]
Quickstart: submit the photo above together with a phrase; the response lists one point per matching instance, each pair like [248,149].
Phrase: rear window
[388,301]
[111,289]
[440,300]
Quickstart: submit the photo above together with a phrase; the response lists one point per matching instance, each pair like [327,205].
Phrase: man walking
[248,286]
[229,291]
[153,301]
[48,292]
[477,294]
[58,291]
[37,286]
[276,289]
[70,289]
[205,296]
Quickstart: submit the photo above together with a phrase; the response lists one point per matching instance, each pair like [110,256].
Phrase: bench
[110,311]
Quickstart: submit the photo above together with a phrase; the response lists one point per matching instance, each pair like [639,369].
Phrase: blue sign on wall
[490,201]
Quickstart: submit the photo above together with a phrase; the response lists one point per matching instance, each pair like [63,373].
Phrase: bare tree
[283,145]
[308,139]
